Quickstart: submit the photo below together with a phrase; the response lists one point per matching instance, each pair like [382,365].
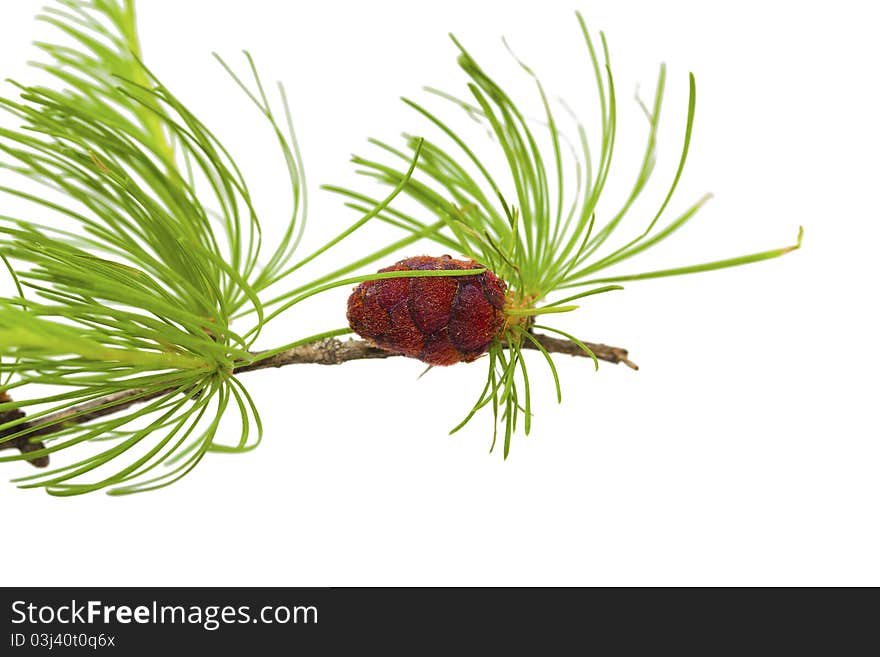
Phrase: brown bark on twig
[335,352]
[322,352]
[569,348]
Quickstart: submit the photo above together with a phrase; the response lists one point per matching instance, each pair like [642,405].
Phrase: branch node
[23,444]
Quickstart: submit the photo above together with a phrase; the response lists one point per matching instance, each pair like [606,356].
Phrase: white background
[745,451]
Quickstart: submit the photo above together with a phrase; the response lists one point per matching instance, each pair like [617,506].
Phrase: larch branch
[330,351]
